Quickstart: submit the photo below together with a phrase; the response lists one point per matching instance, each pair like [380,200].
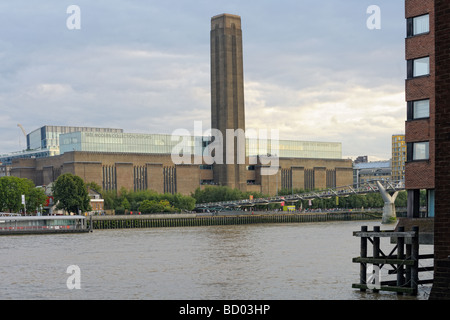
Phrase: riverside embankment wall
[192,220]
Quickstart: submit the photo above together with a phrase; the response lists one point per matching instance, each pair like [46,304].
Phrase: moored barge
[16,224]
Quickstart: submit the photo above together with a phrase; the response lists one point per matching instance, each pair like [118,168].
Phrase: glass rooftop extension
[195,145]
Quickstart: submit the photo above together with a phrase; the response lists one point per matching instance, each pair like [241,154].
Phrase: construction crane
[24,132]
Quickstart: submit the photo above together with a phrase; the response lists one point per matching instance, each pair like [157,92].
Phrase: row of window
[418,109]
[419,25]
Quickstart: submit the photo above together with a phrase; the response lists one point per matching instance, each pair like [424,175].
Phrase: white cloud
[50,91]
[356,116]
[312,69]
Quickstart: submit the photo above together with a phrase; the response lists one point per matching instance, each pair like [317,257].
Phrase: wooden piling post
[363,254]
[400,256]
[376,248]
[415,258]
[410,260]
[408,267]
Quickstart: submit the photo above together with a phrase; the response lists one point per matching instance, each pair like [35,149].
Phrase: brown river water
[300,261]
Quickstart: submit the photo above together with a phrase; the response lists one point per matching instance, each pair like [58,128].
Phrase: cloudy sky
[313,69]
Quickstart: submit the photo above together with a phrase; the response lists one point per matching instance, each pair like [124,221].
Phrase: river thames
[295,261]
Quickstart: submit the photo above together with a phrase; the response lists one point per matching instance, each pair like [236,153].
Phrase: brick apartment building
[427,128]
[441,283]
[419,91]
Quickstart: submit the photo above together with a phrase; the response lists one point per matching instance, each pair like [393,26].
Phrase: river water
[293,261]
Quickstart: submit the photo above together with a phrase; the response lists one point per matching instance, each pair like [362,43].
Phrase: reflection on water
[267,261]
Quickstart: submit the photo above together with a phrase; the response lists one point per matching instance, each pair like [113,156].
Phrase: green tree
[132,200]
[94,186]
[402,199]
[35,198]
[125,204]
[11,191]
[221,193]
[151,206]
[110,199]
[70,193]
[374,200]
[180,202]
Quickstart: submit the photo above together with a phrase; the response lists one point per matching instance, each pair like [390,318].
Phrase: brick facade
[120,170]
[420,174]
[441,285]
[227,93]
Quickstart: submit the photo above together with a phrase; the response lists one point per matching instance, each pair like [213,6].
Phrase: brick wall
[418,7]
[420,175]
[90,166]
[443,128]
[155,177]
[320,177]
[344,176]
[441,286]
[188,178]
[298,177]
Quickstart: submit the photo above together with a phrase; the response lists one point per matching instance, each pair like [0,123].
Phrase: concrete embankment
[192,220]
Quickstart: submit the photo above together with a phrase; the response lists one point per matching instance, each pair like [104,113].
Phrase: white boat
[16,224]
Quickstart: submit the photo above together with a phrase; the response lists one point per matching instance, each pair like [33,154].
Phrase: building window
[421,67]
[418,25]
[418,109]
[418,67]
[418,151]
